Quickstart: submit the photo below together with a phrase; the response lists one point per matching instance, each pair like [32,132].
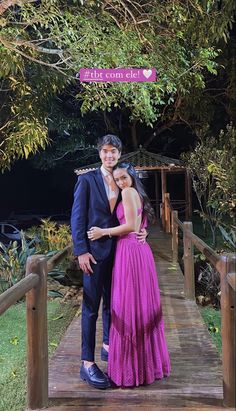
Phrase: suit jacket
[91,208]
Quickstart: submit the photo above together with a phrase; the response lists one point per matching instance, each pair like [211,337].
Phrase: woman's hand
[141,236]
[95,233]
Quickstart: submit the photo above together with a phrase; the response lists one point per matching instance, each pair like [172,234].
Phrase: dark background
[26,190]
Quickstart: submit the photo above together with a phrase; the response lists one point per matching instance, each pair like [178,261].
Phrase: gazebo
[147,163]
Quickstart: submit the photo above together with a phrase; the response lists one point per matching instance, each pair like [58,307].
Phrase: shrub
[209,283]
[51,236]
[12,261]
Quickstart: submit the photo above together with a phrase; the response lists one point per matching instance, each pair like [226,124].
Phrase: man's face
[109,156]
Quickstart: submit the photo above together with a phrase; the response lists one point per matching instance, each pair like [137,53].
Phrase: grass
[13,349]
[212,319]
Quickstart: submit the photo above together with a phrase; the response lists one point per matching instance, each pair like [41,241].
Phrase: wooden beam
[37,342]
[163,184]
[163,192]
[175,235]
[157,194]
[228,330]
[55,259]
[188,195]
[167,213]
[189,280]
[17,291]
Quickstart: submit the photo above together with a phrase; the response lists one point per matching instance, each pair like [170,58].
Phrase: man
[95,200]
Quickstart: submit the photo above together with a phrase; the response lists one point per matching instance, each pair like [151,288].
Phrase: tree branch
[31,45]
[8,45]
[5,4]
[158,131]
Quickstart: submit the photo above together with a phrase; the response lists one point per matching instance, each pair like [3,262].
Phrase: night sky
[27,190]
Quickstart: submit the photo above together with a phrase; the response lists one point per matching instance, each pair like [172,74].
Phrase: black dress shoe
[94,377]
[104,354]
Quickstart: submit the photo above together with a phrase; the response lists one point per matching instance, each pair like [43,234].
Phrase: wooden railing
[225,264]
[34,286]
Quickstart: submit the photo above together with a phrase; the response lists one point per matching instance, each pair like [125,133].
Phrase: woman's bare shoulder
[129,192]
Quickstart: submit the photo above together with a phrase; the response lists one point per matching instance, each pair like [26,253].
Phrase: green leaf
[14,373]
[53,344]
[14,340]
[58,318]
[55,293]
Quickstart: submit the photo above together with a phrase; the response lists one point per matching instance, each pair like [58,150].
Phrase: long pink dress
[138,352]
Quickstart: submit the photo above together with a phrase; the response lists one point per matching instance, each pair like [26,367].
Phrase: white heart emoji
[147,73]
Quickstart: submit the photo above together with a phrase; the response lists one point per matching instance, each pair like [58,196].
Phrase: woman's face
[122,178]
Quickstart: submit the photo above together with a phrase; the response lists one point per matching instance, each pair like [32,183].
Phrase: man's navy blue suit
[91,208]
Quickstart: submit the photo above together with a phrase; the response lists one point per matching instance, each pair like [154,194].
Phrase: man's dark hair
[109,139]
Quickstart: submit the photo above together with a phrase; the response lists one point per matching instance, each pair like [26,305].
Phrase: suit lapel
[117,202]
[100,184]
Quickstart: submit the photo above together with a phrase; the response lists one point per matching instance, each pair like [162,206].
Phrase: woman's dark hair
[109,139]
[147,208]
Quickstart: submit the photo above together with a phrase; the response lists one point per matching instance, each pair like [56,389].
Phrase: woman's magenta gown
[138,352]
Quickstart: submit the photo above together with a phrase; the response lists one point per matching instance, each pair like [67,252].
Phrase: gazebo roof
[142,160]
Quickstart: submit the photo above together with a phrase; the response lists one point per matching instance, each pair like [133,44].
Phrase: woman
[137,351]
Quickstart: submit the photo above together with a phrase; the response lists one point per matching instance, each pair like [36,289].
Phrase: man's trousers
[95,287]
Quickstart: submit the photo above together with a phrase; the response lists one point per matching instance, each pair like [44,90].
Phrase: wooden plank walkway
[196,379]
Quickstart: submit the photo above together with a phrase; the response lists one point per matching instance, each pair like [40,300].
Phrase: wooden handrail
[209,253]
[55,259]
[34,286]
[226,266]
[180,224]
[17,291]
[231,278]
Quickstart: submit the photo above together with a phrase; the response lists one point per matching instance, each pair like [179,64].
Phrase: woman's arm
[129,196]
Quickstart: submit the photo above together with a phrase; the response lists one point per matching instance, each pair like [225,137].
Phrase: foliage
[222,167]
[12,261]
[229,237]
[51,236]
[209,283]
[46,239]
[212,166]
[51,239]
[43,44]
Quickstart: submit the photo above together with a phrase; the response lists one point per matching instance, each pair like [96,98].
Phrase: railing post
[189,280]
[228,330]
[162,212]
[174,230]
[37,344]
[167,212]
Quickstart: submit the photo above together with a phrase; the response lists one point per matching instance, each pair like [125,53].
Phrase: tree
[222,168]
[212,165]
[44,43]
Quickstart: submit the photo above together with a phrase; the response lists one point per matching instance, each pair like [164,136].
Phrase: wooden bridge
[198,380]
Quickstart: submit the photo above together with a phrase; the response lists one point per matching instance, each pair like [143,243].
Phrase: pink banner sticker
[117,75]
